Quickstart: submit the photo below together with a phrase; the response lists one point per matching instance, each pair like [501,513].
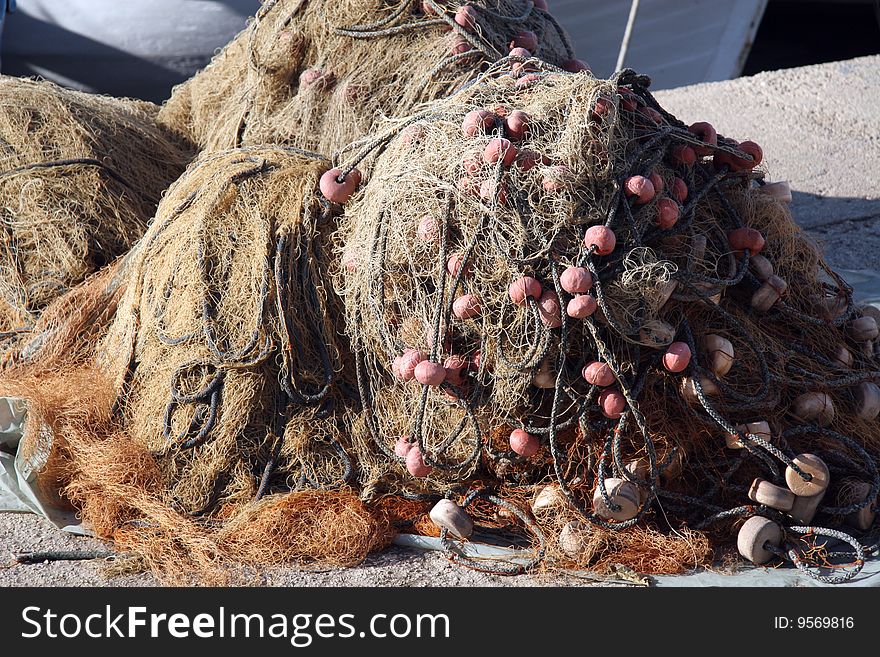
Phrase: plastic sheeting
[17,494]
[865,283]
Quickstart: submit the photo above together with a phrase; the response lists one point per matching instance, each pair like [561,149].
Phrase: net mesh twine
[318,74]
[437,221]
[80,178]
[208,437]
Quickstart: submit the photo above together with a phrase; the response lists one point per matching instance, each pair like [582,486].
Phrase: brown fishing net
[551,302]
[318,74]
[211,353]
[635,407]
[80,178]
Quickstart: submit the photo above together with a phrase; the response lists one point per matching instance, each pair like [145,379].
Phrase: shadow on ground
[847,228]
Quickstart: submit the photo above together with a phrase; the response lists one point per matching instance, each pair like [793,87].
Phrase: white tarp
[16,474]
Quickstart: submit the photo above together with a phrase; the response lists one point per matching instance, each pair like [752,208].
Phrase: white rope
[624,45]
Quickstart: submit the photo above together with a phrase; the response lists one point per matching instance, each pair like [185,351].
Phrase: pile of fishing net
[558,315]
[80,178]
[110,398]
[205,377]
[318,74]
[560,296]
[538,311]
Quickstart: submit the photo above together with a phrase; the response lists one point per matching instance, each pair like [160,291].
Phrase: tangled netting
[317,74]
[474,378]
[80,178]
[209,352]
[592,328]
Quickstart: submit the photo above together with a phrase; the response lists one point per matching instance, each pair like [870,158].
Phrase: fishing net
[572,314]
[80,178]
[594,331]
[211,356]
[318,74]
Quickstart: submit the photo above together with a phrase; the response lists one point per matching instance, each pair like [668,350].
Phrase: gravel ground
[820,129]
[396,566]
